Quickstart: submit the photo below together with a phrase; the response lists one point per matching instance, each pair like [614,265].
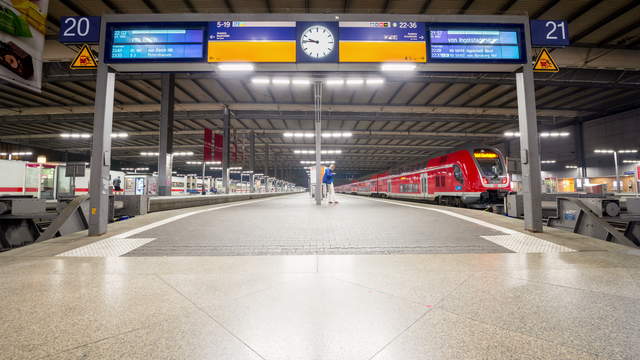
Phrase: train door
[424,185]
[389,188]
[47,182]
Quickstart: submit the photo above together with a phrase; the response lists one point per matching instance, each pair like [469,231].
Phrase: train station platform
[281,278]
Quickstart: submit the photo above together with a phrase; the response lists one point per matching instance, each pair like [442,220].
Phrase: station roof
[403,121]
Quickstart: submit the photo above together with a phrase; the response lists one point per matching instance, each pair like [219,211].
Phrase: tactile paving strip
[107,247]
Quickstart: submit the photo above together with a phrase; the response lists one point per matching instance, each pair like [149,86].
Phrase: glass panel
[47,183]
[64,183]
[32,181]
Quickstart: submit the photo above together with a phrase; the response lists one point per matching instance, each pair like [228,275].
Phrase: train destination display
[476,43]
[151,42]
[382,41]
[252,41]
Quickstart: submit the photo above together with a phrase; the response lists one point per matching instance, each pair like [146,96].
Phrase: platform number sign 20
[549,33]
[79,29]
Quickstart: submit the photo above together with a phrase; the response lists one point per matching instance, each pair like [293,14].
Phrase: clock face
[317,41]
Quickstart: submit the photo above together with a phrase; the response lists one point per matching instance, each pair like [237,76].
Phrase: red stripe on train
[17,189]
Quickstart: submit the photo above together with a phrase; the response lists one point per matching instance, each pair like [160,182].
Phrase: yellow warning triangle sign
[84,59]
[544,63]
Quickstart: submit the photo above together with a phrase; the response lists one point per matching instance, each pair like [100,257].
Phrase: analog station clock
[317,42]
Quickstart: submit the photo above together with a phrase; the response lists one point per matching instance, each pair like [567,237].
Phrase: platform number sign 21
[549,33]
[79,29]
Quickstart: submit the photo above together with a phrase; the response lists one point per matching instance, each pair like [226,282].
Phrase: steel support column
[252,157]
[165,158]
[579,143]
[266,159]
[529,149]
[317,105]
[101,151]
[226,142]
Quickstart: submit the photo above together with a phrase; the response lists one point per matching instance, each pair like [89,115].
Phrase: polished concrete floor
[553,304]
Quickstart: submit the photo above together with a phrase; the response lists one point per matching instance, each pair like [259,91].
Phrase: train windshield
[489,163]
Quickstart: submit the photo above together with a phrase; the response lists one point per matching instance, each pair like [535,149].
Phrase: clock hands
[313,41]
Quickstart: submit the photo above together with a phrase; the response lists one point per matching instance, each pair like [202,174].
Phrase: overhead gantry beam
[327,109]
[279,133]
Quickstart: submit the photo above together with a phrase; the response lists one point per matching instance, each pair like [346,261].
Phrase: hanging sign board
[79,29]
[308,42]
[155,42]
[382,41]
[252,41]
[84,59]
[549,33]
[476,43]
[544,63]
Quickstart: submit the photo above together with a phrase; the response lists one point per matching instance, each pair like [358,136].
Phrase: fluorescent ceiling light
[260,80]
[280,81]
[334,82]
[398,67]
[376,81]
[355,81]
[301,81]
[236,67]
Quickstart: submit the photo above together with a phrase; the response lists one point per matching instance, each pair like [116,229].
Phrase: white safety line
[515,241]
[114,245]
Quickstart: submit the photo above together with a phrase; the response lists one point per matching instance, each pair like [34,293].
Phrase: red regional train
[470,177]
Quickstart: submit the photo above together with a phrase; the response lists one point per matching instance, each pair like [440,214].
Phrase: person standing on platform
[327,179]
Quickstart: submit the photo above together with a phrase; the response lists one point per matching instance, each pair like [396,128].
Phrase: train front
[494,178]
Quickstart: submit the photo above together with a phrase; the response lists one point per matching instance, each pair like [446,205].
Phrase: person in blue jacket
[327,179]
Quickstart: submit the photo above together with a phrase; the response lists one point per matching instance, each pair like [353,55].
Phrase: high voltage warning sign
[544,63]
[84,59]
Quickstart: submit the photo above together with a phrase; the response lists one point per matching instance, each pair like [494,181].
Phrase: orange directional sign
[544,63]
[84,59]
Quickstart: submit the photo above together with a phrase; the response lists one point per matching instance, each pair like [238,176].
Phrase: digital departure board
[478,43]
[252,41]
[382,41]
[155,42]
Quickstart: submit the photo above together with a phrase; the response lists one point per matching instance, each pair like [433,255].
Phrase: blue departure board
[155,42]
[477,43]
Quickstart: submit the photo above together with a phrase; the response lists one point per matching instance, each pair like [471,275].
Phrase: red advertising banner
[217,147]
[208,145]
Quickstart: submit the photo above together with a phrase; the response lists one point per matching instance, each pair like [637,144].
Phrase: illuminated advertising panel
[479,43]
[252,41]
[155,42]
[382,41]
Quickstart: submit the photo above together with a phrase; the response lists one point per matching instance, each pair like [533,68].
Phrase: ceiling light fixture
[398,67]
[236,67]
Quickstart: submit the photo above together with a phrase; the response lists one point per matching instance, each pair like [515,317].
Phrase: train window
[457,173]
[489,163]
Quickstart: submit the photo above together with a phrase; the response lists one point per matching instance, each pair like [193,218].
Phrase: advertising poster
[22,35]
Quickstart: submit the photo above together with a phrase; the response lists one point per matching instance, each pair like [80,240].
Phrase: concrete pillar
[579,143]
[165,158]
[226,142]
[317,95]
[101,151]
[529,149]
